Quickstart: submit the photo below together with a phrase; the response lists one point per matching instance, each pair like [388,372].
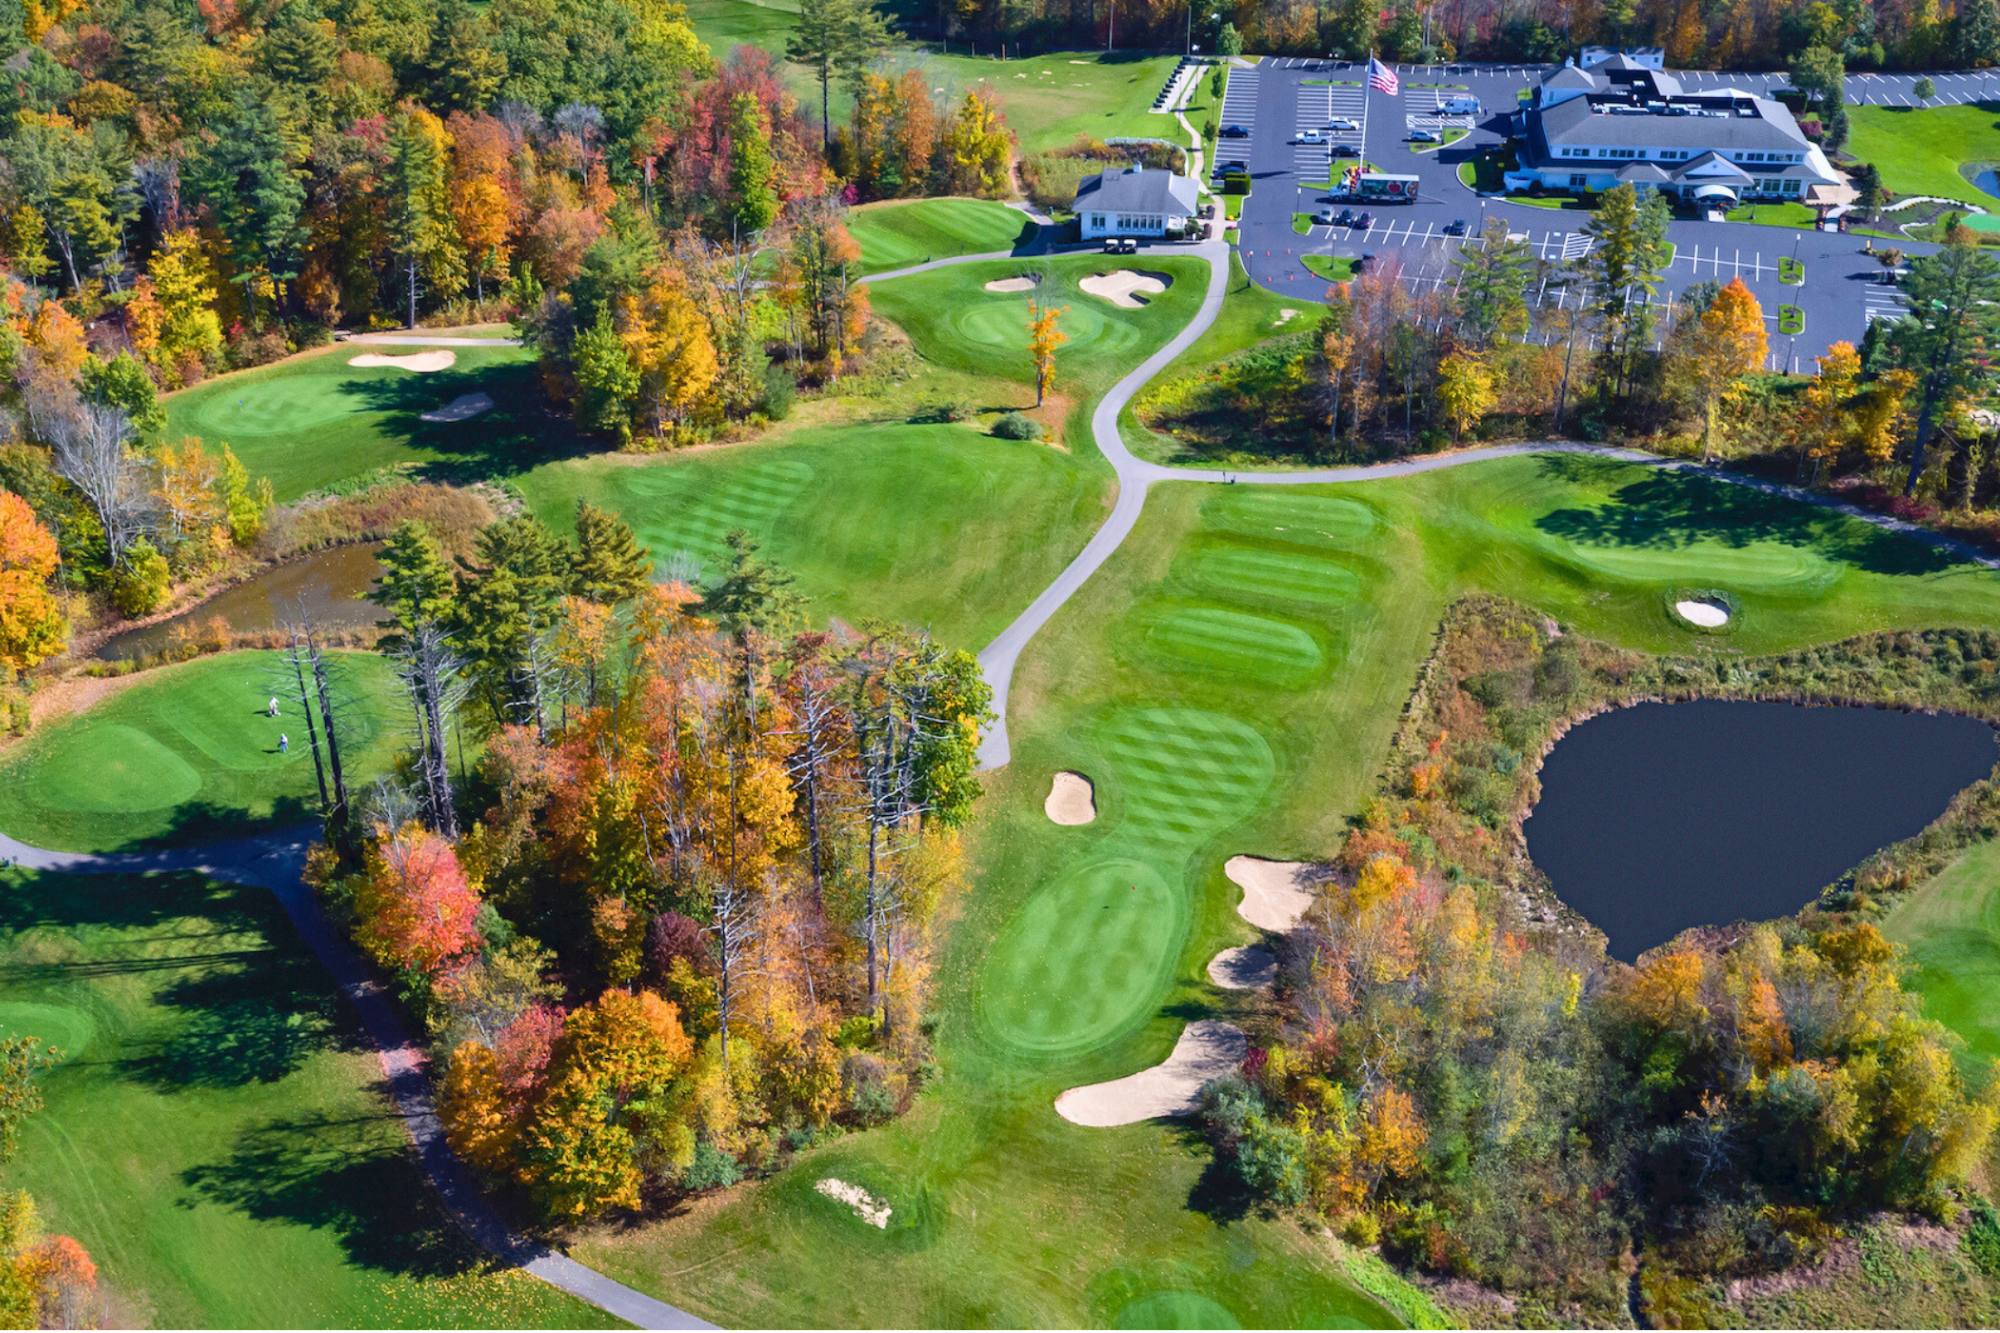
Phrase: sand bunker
[1129,288]
[1251,967]
[1206,1050]
[1275,893]
[1023,283]
[441,359]
[1287,315]
[865,1205]
[462,408]
[1703,612]
[1072,800]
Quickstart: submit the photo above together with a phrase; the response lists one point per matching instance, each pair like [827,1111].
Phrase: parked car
[1455,227]
[1308,136]
[1426,136]
[1363,221]
[1361,263]
[1343,123]
[1235,132]
[1344,150]
[1325,218]
[1344,218]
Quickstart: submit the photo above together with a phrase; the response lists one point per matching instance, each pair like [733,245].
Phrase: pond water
[331,583]
[1663,816]
[1988,181]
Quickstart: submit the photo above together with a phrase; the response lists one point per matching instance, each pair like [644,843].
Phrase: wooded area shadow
[346,1176]
[517,433]
[1666,511]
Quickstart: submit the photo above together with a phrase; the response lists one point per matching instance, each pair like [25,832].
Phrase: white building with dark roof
[1622,122]
[1134,201]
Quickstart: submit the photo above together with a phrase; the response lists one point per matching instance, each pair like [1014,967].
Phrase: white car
[1308,136]
[1343,124]
[1425,136]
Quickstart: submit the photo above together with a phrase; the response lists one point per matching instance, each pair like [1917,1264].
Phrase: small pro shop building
[1134,201]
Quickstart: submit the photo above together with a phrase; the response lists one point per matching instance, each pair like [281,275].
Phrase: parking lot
[1843,289]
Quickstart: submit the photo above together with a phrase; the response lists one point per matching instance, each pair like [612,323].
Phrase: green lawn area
[213,1133]
[1230,683]
[896,235]
[934,524]
[1787,214]
[1050,99]
[725,24]
[1951,926]
[1334,268]
[187,754]
[1791,272]
[1302,224]
[1450,134]
[1928,150]
[314,420]
[1791,320]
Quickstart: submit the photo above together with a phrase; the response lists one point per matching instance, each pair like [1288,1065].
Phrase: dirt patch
[462,408]
[1023,283]
[1071,800]
[1206,1050]
[865,1205]
[1276,894]
[1251,967]
[442,358]
[1129,288]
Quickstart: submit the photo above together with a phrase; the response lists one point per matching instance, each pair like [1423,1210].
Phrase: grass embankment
[1229,682]
[1928,150]
[213,1134]
[1951,926]
[1787,214]
[187,755]
[898,234]
[315,420]
[1334,268]
[1051,99]
[935,524]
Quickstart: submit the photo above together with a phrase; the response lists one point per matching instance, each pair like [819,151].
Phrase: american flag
[1381,77]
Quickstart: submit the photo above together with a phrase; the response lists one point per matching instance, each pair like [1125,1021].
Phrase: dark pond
[332,584]
[1988,180]
[1664,816]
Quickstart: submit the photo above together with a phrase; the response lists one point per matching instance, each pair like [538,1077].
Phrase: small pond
[1663,816]
[332,584]
[1988,181]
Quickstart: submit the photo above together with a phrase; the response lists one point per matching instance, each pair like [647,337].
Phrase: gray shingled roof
[1569,76]
[1147,190]
[1574,122]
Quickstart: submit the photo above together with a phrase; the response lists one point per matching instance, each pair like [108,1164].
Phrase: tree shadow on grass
[1667,511]
[520,431]
[1219,1193]
[342,1175]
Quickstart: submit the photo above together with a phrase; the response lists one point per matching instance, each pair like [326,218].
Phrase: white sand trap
[1206,1050]
[462,408]
[1700,611]
[1020,284]
[1126,287]
[1072,800]
[865,1205]
[1251,967]
[1275,896]
[442,358]
[1287,315]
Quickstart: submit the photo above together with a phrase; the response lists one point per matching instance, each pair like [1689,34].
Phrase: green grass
[1051,99]
[1791,320]
[1928,150]
[1791,272]
[1302,224]
[1787,214]
[315,420]
[214,1134]
[1229,682]
[1951,926]
[723,25]
[896,235]
[187,754]
[1334,268]
[1450,134]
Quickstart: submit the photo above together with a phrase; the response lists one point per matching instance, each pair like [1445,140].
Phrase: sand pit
[1206,1050]
[1023,283]
[865,1205]
[1287,315]
[441,359]
[1275,896]
[462,408]
[1702,611]
[1251,967]
[1072,800]
[1130,288]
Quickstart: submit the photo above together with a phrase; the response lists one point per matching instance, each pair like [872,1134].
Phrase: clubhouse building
[1134,201]
[1621,120]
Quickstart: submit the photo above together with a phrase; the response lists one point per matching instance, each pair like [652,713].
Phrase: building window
[1578,180]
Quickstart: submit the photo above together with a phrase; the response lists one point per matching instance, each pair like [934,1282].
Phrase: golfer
[284,742]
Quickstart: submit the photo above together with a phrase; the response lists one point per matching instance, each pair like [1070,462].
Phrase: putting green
[187,754]
[1175,1309]
[1085,958]
[1226,640]
[996,324]
[1761,566]
[1274,572]
[64,1028]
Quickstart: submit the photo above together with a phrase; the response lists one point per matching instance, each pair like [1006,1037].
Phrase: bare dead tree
[323,687]
[822,736]
[88,440]
[431,671]
[292,681]
[734,925]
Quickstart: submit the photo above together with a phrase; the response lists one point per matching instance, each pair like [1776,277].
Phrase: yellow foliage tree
[1725,343]
[1043,340]
[32,626]
[1465,390]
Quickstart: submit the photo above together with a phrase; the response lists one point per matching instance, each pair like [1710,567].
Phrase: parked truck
[1377,187]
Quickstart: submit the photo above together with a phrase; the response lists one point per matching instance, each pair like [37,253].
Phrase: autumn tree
[1946,336]
[414,910]
[978,147]
[1465,391]
[1043,340]
[32,625]
[422,226]
[1710,353]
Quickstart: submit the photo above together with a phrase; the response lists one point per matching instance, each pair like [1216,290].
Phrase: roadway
[1843,290]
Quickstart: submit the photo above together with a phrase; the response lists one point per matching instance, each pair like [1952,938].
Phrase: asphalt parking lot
[1843,288]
